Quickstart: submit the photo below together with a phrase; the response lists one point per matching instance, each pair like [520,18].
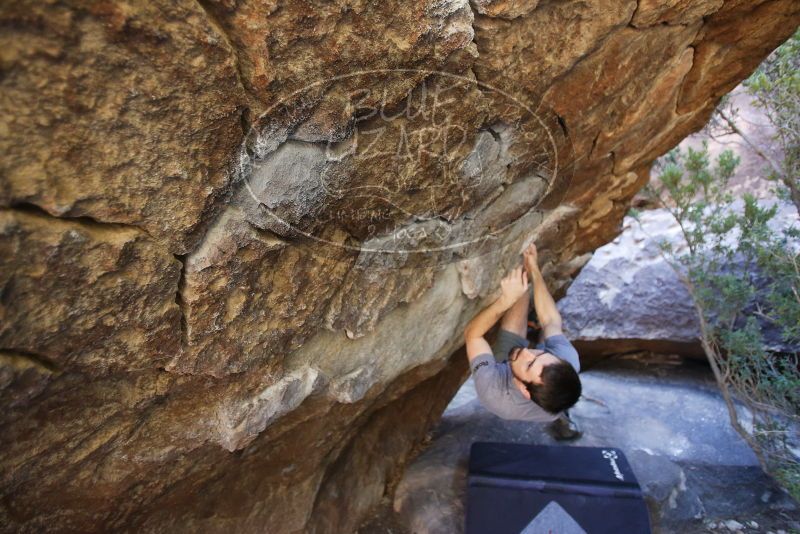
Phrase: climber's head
[551,382]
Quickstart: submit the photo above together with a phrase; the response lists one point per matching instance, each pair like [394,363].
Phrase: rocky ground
[664,412]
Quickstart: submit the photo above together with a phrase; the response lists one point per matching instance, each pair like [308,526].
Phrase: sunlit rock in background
[629,298]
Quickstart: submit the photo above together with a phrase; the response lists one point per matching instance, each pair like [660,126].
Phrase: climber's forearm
[546,310]
[482,322]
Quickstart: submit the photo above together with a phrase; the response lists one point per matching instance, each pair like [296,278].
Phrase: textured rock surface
[628,298]
[84,296]
[173,355]
[124,113]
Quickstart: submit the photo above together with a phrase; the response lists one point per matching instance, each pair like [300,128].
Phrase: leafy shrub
[744,277]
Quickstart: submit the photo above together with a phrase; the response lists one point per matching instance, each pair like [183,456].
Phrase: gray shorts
[504,342]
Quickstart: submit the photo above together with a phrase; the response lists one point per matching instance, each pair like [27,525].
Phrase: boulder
[628,298]
[241,240]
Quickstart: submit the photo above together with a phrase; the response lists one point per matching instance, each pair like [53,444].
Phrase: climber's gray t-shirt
[496,390]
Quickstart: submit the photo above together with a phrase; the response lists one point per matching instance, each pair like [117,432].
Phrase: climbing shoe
[564,428]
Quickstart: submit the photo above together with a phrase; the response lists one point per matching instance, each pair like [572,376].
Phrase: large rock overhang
[190,340]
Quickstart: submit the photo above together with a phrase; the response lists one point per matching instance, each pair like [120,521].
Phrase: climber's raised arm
[546,311]
[514,285]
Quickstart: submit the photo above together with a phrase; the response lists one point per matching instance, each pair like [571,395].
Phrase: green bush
[775,86]
[745,281]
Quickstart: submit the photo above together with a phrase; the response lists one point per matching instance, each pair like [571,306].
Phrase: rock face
[628,298]
[240,239]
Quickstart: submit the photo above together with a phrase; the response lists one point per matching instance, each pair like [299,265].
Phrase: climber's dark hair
[560,387]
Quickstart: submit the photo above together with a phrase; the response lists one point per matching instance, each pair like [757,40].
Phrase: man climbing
[512,380]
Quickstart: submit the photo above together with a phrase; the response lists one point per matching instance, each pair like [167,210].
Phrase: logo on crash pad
[553,518]
[611,456]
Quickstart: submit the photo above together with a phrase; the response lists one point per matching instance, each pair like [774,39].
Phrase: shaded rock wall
[171,357]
